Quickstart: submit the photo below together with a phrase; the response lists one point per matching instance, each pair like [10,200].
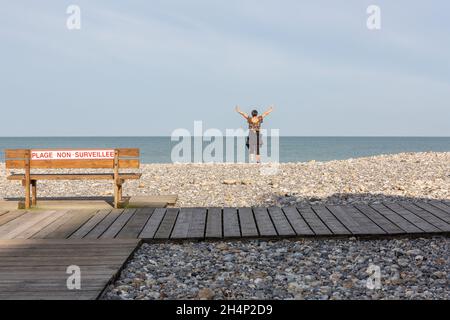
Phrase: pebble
[200,270]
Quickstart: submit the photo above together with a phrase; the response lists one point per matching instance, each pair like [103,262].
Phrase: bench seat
[76,176]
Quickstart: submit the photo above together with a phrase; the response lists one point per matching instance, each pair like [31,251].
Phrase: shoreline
[392,177]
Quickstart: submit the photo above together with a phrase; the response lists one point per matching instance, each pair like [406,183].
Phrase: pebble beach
[405,176]
[410,268]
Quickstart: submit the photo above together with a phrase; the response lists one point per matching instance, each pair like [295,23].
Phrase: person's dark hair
[254,113]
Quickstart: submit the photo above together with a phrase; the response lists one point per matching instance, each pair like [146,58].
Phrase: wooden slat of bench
[76,176]
[129,152]
[149,230]
[387,225]
[71,225]
[214,223]
[330,220]
[401,222]
[280,221]
[101,227]
[19,225]
[411,217]
[355,221]
[264,223]
[15,153]
[248,224]
[313,221]
[297,222]
[135,225]
[73,164]
[21,153]
[90,224]
[231,223]
[165,229]
[118,224]
[428,216]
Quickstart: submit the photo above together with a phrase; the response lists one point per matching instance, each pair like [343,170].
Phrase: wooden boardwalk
[37,246]
[386,219]
[37,269]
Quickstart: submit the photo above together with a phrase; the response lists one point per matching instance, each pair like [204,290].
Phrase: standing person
[254,140]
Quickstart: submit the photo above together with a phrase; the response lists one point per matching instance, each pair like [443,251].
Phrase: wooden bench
[113,159]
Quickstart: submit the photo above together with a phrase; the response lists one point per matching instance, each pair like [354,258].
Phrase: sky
[146,68]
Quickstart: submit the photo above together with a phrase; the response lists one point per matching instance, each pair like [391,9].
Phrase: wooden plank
[398,220]
[2,212]
[73,164]
[181,228]
[330,220]
[165,229]
[214,223]
[38,270]
[427,216]
[62,243]
[247,221]
[19,225]
[71,225]
[264,223]
[51,295]
[435,211]
[129,152]
[388,226]
[16,153]
[58,260]
[28,233]
[355,221]
[197,225]
[313,221]
[76,176]
[53,226]
[441,205]
[190,224]
[118,224]
[135,225]
[20,153]
[101,227]
[231,223]
[90,224]
[49,252]
[11,215]
[297,222]
[411,217]
[149,230]
[281,222]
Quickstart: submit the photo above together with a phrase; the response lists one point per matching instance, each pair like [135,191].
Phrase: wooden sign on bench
[114,159]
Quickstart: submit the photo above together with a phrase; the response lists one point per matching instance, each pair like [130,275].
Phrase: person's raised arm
[267,112]
[241,112]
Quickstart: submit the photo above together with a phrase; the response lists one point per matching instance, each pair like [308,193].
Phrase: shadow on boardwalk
[350,198]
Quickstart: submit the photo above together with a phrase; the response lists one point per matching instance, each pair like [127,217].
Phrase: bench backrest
[72,158]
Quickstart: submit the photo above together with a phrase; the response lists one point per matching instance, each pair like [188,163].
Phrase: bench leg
[120,190]
[27,195]
[33,192]
[116,196]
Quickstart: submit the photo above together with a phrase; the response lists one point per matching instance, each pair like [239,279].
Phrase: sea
[289,149]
